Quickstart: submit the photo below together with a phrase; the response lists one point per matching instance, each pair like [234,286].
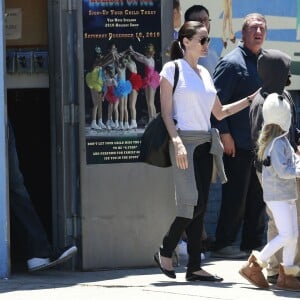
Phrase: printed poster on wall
[122,60]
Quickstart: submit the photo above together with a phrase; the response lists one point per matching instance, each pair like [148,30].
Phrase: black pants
[25,222]
[242,204]
[193,227]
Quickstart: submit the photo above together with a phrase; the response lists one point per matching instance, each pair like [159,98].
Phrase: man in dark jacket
[273,67]
[242,204]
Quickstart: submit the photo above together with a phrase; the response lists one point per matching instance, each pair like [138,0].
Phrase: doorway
[29,114]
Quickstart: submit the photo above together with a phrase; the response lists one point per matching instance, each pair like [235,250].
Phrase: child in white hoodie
[281,167]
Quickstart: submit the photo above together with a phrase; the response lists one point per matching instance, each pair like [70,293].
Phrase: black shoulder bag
[154,148]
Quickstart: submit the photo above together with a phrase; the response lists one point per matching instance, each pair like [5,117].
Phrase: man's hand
[228,143]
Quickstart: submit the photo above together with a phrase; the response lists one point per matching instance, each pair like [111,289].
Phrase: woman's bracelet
[249,100]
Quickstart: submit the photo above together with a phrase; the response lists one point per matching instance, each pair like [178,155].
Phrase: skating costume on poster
[110,95]
[136,81]
[123,88]
[151,78]
[94,79]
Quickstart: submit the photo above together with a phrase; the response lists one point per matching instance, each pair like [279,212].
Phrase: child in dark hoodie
[274,71]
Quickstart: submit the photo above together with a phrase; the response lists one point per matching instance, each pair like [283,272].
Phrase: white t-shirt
[193,98]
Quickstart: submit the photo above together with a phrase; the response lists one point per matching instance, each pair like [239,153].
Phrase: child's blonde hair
[267,135]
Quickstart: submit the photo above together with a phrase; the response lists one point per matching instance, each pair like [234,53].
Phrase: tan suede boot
[252,271]
[287,278]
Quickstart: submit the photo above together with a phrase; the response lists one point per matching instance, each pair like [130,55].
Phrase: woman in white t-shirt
[193,144]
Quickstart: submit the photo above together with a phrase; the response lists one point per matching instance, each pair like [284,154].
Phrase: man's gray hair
[251,16]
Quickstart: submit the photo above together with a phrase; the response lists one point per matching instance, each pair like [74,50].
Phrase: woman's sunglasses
[204,40]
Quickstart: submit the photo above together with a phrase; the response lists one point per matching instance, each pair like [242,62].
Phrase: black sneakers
[59,256]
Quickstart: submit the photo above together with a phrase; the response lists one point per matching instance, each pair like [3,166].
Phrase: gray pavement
[146,283]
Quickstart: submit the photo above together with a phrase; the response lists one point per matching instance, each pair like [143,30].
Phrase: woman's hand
[180,154]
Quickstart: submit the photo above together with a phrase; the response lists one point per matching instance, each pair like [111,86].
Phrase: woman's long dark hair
[187,30]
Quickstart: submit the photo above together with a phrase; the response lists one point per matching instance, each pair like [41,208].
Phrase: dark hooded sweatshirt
[273,68]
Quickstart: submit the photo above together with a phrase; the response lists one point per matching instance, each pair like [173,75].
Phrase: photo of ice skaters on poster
[122,61]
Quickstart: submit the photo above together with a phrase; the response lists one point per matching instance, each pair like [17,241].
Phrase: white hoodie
[279,179]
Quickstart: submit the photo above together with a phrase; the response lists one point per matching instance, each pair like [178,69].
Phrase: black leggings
[193,227]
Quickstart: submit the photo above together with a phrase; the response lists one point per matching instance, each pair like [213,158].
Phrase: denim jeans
[24,220]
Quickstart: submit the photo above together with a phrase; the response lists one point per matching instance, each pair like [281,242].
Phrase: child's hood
[273,68]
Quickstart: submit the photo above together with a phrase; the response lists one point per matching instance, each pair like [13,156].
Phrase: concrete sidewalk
[147,283]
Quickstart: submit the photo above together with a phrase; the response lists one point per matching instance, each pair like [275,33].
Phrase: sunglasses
[204,40]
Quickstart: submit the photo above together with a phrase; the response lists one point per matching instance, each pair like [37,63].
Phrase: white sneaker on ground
[182,249]
[36,263]
[60,256]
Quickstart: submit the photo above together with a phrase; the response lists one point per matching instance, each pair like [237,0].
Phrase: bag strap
[176,76]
